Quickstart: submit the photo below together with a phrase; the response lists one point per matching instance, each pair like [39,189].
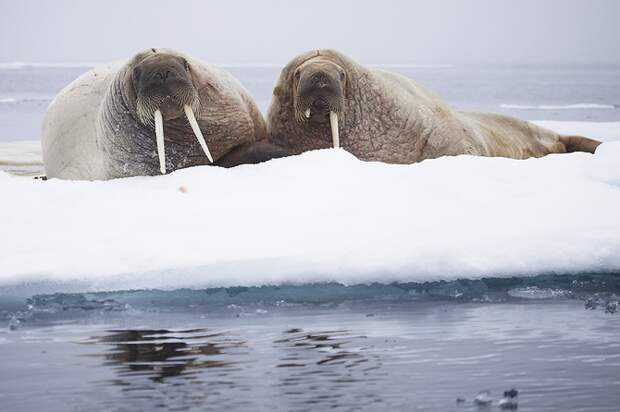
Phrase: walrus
[155,113]
[324,99]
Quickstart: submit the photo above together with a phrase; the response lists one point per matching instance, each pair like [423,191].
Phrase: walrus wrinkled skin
[383,116]
[104,124]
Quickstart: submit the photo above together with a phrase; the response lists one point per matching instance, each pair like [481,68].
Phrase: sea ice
[320,216]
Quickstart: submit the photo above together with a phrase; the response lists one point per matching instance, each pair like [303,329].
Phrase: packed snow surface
[320,216]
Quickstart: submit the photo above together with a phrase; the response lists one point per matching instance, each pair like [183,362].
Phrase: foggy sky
[273,31]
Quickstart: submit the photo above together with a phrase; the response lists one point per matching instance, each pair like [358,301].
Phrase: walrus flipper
[579,144]
[251,153]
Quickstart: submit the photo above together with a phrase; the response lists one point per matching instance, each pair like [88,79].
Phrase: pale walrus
[325,99]
[158,112]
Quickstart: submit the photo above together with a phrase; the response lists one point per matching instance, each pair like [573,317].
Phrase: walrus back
[499,135]
[69,137]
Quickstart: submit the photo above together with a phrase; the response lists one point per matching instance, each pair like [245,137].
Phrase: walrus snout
[320,95]
[170,108]
[164,91]
[169,97]
[163,82]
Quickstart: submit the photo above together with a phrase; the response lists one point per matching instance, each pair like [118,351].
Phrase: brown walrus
[147,116]
[324,99]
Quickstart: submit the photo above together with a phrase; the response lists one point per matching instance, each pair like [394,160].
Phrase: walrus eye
[186,64]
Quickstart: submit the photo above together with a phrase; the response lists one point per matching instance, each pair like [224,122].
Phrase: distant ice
[25,65]
[20,153]
[276,65]
[14,100]
[412,66]
[578,106]
[320,216]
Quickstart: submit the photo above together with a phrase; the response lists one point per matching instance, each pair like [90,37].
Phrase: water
[522,91]
[398,356]
[416,346]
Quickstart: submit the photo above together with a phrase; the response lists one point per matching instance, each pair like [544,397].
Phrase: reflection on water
[423,357]
[161,353]
[169,367]
[324,370]
[197,367]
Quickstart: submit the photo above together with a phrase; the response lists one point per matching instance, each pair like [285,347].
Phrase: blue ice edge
[16,302]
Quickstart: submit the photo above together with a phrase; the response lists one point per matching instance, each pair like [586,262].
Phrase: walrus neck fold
[133,151]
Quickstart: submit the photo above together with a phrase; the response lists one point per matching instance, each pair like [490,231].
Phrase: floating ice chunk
[508,404]
[483,398]
[14,323]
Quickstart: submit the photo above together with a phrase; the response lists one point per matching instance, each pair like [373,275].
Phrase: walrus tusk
[333,121]
[159,137]
[192,121]
[307,113]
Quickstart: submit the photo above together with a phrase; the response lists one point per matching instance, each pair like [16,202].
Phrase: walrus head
[319,87]
[164,91]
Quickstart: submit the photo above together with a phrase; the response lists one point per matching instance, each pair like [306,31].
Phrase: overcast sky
[273,31]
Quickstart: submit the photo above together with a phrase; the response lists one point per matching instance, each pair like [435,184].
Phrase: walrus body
[105,124]
[383,116]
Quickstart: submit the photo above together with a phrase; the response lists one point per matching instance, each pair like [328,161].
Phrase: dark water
[556,339]
[399,356]
[26,92]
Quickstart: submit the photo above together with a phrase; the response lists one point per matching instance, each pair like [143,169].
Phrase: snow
[320,216]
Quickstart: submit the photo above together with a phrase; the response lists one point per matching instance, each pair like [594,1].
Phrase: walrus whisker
[333,121]
[145,111]
[192,121]
[299,116]
[159,137]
